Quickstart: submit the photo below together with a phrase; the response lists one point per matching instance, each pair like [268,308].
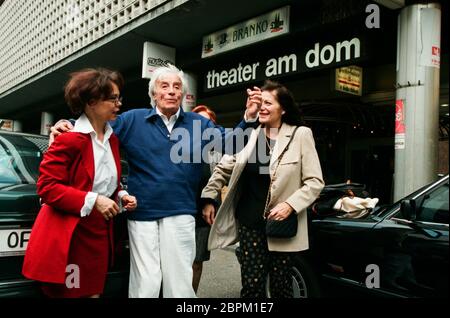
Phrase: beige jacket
[298,182]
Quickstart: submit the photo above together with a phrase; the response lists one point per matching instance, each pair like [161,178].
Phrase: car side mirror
[408,209]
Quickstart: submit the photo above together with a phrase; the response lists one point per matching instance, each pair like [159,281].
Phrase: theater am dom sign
[310,57]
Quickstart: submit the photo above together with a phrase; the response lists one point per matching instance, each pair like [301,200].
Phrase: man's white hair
[161,72]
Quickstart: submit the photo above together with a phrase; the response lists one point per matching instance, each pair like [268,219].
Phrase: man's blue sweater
[161,186]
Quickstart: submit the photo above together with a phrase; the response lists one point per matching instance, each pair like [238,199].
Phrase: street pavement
[221,276]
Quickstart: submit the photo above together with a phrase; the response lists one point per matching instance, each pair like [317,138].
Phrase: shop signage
[399,124]
[315,56]
[154,56]
[263,27]
[349,80]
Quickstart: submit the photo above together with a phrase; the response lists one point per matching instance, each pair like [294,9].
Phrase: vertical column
[46,123]
[417,107]
[17,126]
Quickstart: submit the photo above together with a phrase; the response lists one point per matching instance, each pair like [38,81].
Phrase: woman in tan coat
[295,182]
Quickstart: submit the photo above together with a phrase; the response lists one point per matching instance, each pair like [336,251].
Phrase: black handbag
[282,229]
[286,228]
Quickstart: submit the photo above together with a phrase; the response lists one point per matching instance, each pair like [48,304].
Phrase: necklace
[268,145]
[268,142]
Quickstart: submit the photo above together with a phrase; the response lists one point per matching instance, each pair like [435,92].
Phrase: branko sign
[263,27]
[316,57]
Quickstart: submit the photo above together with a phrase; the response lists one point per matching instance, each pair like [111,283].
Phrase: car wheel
[304,281]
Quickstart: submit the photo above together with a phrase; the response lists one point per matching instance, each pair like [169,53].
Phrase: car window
[20,157]
[435,206]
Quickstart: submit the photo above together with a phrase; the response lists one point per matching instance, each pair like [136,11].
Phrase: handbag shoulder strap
[276,168]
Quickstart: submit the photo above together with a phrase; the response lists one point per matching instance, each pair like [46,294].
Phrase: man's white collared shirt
[169,122]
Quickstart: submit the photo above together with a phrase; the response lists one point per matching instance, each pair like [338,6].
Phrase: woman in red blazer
[70,245]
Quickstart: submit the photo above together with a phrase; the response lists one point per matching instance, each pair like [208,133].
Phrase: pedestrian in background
[202,228]
[294,183]
[79,187]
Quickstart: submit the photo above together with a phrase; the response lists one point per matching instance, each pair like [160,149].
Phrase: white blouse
[105,173]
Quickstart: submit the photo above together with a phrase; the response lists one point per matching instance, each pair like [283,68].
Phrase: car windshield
[20,156]
[383,211]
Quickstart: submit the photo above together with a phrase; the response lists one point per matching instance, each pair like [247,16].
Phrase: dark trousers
[256,262]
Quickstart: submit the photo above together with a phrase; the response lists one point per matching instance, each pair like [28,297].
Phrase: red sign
[399,117]
[435,50]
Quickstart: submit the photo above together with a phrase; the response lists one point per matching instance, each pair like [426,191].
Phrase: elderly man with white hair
[162,228]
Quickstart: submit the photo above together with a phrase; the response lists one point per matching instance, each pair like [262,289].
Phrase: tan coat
[298,182]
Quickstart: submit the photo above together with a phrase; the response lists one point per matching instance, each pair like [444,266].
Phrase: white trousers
[162,251]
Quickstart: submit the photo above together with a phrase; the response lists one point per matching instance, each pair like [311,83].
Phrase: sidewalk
[221,276]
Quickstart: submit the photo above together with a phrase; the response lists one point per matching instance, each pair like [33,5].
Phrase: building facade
[338,57]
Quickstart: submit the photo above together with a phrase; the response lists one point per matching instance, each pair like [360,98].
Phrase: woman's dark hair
[293,115]
[90,85]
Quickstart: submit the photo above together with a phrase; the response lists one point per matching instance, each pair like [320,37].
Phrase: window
[435,206]
[20,157]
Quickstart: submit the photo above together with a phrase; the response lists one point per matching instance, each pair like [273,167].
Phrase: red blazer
[66,175]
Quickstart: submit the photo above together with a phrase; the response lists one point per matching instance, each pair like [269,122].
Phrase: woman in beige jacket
[297,183]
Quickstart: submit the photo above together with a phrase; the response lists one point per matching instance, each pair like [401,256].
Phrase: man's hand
[107,207]
[254,101]
[209,212]
[280,211]
[129,202]
[59,128]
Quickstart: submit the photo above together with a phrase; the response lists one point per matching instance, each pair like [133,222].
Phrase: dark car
[20,156]
[400,250]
